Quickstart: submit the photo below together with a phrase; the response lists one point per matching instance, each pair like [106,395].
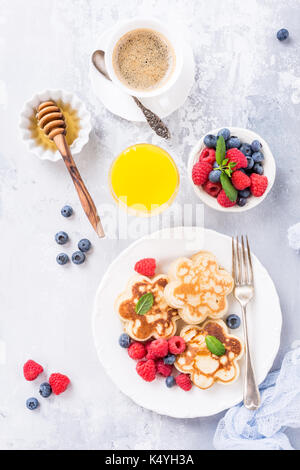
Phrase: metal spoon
[153,120]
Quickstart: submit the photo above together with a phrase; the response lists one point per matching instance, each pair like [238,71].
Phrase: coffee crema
[143,59]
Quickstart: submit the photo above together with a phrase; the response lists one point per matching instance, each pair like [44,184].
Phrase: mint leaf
[224,162]
[230,191]
[144,303]
[220,150]
[214,345]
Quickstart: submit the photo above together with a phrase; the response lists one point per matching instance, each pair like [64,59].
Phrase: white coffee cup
[149,23]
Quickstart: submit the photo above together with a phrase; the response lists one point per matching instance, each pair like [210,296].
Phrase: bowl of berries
[232,169]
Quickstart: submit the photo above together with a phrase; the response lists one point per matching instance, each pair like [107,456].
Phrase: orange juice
[144,178]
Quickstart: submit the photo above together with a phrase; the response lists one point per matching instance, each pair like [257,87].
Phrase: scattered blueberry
[233,321]
[170,381]
[225,133]
[84,245]
[246,149]
[258,168]
[61,238]
[250,163]
[256,146]
[233,142]
[124,340]
[241,201]
[170,359]
[258,157]
[32,403]
[210,141]
[214,176]
[45,390]
[62,258]
[78,257]
[67,211]
[282,34]
[245,192]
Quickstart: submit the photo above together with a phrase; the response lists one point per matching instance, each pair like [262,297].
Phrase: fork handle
[251,392]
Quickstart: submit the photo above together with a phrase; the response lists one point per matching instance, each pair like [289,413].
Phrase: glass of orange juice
[144,179]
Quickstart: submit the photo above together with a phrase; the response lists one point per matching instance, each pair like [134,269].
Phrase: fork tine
[239,278]
[250,261]
[233,260]
[245,260]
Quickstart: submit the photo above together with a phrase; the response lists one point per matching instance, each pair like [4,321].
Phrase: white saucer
[121,104]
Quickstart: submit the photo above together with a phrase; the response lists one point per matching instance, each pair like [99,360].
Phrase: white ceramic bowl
[29,109]
[269,169]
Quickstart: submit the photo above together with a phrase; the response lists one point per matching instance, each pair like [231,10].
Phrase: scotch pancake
[198,288]
[204,367]
[159,321]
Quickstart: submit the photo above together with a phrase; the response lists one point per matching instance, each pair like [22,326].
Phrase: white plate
[264,320]
[269,169]
[120,103]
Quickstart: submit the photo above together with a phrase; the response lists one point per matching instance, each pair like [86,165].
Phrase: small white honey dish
[78,124]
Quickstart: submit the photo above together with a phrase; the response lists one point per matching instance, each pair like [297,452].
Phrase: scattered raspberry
[234,155]
[212,189]
[224,201]
[146,267]
[146,369]
[150,354]
[163,369]
[137,350]
[184,382]
[58,383]
[259,184]
[208,155]
[159,347]
[31,370]
[200,172]
[176,345]
[240,180]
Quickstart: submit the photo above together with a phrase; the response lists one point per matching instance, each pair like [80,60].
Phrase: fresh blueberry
[256,146]
[78,257]
[170,381]
[216,165]
[250,163]
[241,201]
[84,245]
[233,321]
[225,133]
[258,168]
[67,211]
[258,157]
[61,238]
[210,141]
[233,142]
[246,150]
[124,340]
[32,403]
[282,34]
[62,258]
[214,176]
[244,193]
[45,390]
[169,359]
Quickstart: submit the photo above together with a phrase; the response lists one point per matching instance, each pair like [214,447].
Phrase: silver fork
[242,273]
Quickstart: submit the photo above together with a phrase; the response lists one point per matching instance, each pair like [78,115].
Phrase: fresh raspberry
[58,383]
[208,155]
[200,172]
[163,369]
[184,382]
[176,345]
[212,189]
[146,267]
[240,180]
[159,347]
[137,350]
[234,155]
[224,201]
[150,354]
[31,370]
[146,369]
[258,185]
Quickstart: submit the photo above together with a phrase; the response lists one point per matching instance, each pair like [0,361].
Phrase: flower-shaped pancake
[198,288]
[204,367]
[159,321]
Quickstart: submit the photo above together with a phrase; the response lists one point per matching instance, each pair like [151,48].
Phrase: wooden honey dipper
[51,120]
